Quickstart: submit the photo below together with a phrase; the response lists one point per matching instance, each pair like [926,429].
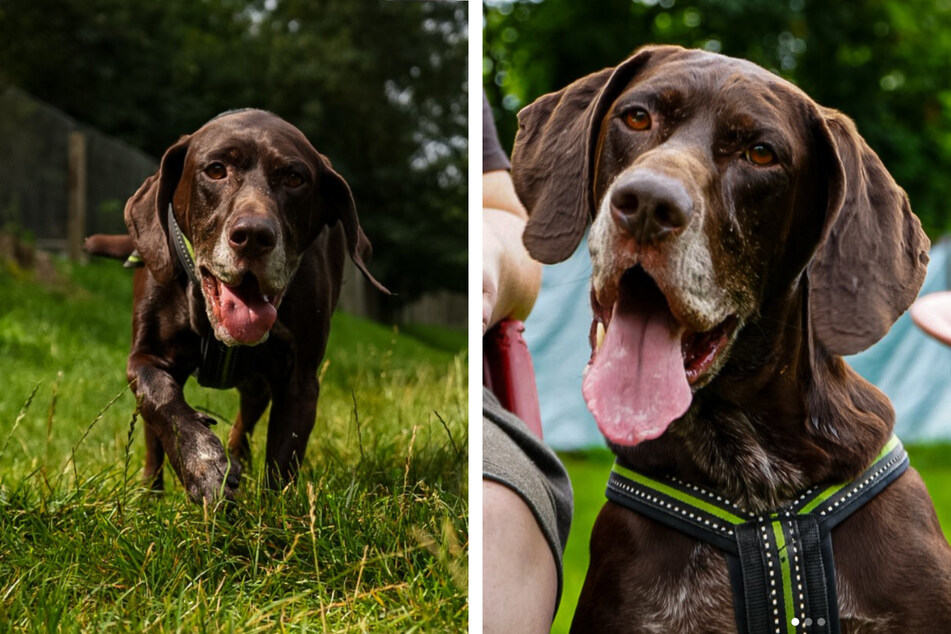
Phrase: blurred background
[885,63]
[378,87]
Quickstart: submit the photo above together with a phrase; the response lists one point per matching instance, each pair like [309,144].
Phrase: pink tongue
[244,312]
[636,385]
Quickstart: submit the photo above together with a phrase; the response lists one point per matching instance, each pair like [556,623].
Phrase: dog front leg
[293,413]
[194,451]
[154,461]
[255,396]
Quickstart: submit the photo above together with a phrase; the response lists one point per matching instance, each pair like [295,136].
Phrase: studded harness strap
[780,563]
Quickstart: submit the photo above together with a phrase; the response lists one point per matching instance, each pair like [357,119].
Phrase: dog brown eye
[761,155]
[293,179]
[638,120]
[216,171]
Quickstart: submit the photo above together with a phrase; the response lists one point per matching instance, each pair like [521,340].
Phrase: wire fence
[37,177]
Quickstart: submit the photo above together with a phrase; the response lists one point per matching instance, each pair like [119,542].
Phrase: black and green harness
[221,366]
[780,564]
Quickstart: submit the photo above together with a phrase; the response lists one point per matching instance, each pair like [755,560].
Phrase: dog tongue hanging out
[645,362]
[635,384]
[242,313]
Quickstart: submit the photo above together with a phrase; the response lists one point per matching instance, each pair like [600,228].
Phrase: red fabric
[508,372]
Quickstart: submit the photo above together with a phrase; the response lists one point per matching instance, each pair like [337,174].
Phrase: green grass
[589,472]
[373,535]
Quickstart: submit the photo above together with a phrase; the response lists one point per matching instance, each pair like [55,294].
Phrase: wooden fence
[61,180]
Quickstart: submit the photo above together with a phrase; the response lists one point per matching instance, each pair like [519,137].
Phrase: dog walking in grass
[243,233]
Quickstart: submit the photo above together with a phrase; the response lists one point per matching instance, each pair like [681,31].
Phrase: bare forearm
[510,277]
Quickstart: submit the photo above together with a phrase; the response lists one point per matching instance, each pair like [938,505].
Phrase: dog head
[250,194]
[716,191]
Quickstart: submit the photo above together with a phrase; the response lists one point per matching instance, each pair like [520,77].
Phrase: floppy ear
[872,260]
[553,158]
[340,207]
[146,214]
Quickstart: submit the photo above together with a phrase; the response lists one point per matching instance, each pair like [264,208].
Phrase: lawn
[373,535]
[589,473]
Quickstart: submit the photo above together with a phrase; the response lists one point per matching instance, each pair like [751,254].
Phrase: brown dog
[243,232]
[743,238]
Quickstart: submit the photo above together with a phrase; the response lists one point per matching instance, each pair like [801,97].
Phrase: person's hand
[932,313]
[510,277]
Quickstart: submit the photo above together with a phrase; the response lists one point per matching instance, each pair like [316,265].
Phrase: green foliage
[371,537]
[885,63]
[377,86]
[399,133]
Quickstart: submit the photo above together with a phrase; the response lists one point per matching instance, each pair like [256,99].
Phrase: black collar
[183,247]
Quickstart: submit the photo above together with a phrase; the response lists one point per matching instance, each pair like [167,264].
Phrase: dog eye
[216,171]
[761,154]
[293,180]
[638,120]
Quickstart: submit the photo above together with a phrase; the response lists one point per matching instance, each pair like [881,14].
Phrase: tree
[390,111]
[378,86]
[885,63]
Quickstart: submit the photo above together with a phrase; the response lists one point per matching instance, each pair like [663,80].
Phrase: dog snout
[253,236]
[650,207]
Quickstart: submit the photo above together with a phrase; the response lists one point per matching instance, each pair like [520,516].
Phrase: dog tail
[117,247]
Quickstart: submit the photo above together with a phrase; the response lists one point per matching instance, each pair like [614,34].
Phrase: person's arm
[519,573]
[932,313]
[510,277]
[520,576]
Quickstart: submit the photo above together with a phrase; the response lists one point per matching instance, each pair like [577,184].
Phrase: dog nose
[253,236]
[650,207]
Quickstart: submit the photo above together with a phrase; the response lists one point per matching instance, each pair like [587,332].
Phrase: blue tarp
[910,367]
[913,369]
[557,336]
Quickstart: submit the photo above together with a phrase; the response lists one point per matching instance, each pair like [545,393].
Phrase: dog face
[713,187]
[250,193]
[249,205]
[697,174]
[697,178]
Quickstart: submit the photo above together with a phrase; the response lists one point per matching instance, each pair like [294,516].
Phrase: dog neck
[183,247]
[784,416]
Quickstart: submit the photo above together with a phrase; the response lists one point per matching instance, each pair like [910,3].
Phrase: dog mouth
[645,362]
[242,312]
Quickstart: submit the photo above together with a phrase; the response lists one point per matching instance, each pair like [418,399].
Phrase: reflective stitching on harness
[782,572]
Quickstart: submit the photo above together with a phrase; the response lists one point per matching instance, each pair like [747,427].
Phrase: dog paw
[205,469]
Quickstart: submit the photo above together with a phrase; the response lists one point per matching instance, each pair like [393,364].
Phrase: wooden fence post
[76,199]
